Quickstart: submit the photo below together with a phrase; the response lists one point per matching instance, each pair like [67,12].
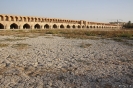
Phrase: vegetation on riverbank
[70,33]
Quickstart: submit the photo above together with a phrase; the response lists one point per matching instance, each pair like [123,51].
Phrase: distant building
[118,23]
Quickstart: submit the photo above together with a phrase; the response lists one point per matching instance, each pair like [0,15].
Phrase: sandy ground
[57,62]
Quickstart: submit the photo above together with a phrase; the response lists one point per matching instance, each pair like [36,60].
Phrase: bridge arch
[13,26]
[73,26]
[54,26]
[61,26]
[32,19]
[1,18]
[29,19]
[1,26]
[12,18]
[26,26]
[24,19]
[68,26]
[35,19]
[46,26]
[6,18]
[16,18]
[42,20]
[79,26]
[83,26]
[39,20]
[21,19]
[37,26]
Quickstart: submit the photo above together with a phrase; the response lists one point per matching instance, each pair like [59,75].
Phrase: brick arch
[20,18]
[39,20]
[24,19]
[26,26]
[12,18]
[6,18]
[1,18]
[68,26]
[51,20]
[14,26]
[43,20]
[59,20]
[79,26]
[73,26]
[46,26]
[37,26]
[62,26]
[32,19]
[28,19]
[16,18]
[83,26]
[55,26]
[87,26]
[46,19]
[1,26]
[35,19]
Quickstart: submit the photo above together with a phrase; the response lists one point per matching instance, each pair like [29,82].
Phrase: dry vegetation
[71,33]
[3,45]
[20,46]
[85,45]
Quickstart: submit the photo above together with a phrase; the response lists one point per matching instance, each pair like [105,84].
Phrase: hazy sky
[89,10]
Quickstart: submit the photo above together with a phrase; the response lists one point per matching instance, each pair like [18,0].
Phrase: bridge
[28,22]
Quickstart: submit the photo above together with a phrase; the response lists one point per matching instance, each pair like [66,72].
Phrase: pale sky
[89,10]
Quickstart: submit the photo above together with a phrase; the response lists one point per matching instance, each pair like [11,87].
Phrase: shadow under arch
[74,26]
[26,26]
[68,26]
[46,26]
[37,26]
[1,26]
[54,26]
[13,26]
[62,26]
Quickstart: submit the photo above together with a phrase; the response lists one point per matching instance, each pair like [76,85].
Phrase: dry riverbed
[57,62]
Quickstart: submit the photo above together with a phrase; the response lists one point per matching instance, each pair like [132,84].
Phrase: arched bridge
[27,22]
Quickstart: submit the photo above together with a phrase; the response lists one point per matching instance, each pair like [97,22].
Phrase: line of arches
[48,26]
[35,19]
[54,20]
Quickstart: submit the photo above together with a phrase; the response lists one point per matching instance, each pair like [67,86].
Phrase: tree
[128,25]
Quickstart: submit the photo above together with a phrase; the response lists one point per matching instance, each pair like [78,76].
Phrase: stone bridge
[27,22]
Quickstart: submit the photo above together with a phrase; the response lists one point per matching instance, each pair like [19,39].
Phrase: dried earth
[56,62]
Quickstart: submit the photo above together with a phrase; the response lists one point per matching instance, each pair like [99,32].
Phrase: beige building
[27,22]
